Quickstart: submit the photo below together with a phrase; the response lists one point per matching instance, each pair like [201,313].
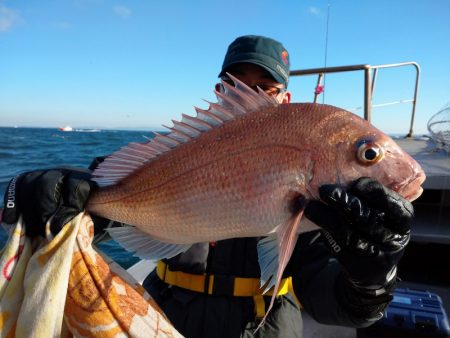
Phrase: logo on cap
[284,57]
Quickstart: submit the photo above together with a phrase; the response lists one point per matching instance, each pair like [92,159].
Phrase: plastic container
[412,314]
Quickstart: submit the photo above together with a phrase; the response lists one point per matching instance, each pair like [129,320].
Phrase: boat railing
[370,78]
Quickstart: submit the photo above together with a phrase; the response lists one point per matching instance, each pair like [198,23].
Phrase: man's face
[253,76]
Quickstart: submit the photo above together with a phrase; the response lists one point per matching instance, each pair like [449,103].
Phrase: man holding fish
[342,273]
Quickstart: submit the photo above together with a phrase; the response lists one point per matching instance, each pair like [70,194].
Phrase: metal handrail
[369,84]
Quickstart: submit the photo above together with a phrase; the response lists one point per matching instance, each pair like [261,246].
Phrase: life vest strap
[218,284]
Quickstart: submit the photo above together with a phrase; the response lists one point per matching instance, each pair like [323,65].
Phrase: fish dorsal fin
[235,101]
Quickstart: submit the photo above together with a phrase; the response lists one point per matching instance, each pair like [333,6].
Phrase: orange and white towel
[63,287]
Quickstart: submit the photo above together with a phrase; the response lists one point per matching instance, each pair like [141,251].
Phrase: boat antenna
[326,50]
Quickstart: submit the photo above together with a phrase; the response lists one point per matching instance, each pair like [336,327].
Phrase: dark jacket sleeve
[323,289]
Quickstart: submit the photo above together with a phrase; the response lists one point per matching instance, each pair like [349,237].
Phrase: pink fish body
[241,178]
[239,170]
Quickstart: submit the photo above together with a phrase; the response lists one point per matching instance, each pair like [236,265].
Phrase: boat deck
[435,162]
[432,209]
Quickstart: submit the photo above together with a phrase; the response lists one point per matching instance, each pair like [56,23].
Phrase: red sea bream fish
[237,170]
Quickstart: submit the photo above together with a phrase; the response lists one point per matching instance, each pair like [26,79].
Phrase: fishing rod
[325,52]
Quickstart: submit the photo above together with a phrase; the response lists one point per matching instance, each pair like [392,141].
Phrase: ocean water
[27,149]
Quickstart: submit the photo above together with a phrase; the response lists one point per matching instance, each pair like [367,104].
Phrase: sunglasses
[268,89]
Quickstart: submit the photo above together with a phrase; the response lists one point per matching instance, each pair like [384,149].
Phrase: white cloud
[8,17]
[122,11]
[315,11]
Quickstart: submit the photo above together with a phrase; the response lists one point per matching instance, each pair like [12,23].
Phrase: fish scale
[201,189]
[242,175]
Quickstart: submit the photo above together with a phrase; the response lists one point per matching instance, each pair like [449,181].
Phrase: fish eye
[369,153]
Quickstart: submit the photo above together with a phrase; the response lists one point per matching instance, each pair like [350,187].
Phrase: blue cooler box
[412,313]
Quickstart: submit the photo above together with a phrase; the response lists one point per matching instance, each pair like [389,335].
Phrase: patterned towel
[63,287]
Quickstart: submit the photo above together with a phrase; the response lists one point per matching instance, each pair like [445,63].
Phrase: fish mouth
[412,188]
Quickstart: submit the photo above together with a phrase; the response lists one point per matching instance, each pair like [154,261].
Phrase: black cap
[262,51]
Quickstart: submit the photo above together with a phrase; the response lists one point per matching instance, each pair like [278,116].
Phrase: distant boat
[66,128]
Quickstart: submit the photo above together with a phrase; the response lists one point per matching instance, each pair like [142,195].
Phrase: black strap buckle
[223,285]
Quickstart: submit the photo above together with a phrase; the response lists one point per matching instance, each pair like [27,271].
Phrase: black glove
[367,228]
[38,195]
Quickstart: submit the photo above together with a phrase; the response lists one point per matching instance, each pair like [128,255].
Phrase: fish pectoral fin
[268,260]
[143,246]
[274,252]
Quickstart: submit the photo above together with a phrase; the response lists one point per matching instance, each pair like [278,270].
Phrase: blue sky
[138,64]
